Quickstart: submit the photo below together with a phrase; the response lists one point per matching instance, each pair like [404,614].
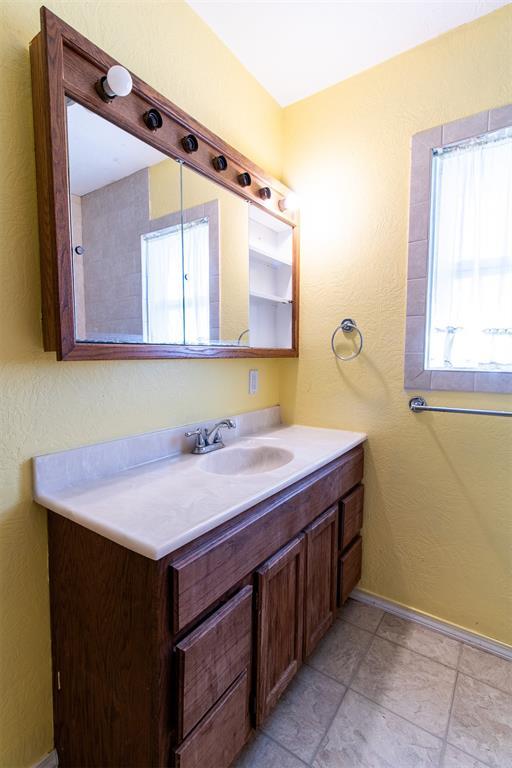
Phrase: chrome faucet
[210,440]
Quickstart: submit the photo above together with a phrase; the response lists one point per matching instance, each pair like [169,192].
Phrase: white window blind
[469,324]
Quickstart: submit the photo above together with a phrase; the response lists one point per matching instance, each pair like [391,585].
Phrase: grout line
[340,617]
[419,653]
[347,688]
[445,737]
[484,682]
[395,714]
[384,614]
[275,741]
[468,754]
[332,718]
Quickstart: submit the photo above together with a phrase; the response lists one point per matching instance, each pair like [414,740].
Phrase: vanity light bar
[118,82]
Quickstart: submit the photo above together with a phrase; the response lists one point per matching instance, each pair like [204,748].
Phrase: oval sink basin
[246,461]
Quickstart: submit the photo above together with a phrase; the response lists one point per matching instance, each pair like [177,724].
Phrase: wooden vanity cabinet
[171,663]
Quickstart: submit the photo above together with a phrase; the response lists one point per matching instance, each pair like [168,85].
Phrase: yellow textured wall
[438,530]
[48,406]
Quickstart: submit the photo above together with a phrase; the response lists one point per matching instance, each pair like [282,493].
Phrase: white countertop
[158,507]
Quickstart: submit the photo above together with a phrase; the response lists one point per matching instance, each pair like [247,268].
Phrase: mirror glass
[163,255]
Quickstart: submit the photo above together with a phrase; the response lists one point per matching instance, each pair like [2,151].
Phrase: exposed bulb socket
[117,82]
[220,163]
[190,143]
[265,193]
[153,119]
[244,179]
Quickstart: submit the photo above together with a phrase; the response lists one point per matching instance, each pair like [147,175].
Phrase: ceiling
[297,48]
[101,153]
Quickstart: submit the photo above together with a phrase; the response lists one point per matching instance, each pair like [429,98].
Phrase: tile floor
[383,692]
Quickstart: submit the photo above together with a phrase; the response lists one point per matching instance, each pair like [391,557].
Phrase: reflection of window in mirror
[180,272]
[459,324]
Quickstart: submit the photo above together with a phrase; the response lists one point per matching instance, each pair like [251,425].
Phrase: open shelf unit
[270,280]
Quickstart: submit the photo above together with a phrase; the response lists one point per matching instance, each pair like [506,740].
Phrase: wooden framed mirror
[158,239]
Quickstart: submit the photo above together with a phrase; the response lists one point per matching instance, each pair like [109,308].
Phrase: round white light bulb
[290,202]
[119,81]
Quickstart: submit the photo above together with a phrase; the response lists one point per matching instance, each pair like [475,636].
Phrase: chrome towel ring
[347,326]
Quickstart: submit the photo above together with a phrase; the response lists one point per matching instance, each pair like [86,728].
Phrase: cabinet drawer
[221,734]
[351,508]
[350,570]
[211,658]
[352,472]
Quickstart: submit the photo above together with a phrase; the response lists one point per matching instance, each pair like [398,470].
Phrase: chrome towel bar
[419,404]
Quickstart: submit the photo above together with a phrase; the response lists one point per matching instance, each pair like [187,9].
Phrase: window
[469,319]
[176,281]
[459,287]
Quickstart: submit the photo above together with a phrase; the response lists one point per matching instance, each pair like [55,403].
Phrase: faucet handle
[200,442]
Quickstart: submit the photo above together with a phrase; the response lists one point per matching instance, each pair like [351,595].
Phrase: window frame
[416,376]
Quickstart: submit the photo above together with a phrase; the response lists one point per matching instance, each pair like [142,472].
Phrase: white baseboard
[50,760]
[464,635]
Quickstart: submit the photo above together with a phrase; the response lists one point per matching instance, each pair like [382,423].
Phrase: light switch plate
[253,381]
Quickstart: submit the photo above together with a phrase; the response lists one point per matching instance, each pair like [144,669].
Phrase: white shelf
[269,297]
[264,254]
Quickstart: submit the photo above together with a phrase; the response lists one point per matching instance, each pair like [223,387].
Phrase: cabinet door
[321,567]
[280,624]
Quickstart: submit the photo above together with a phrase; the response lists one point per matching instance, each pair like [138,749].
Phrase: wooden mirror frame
[64,63]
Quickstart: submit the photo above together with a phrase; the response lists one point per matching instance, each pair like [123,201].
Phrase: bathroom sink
[246,461]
